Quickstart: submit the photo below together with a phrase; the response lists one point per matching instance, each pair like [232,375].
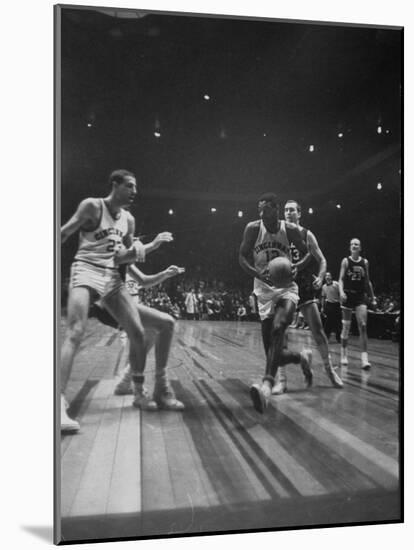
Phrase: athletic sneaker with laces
[260,395]
[305,363]
[334,377]
[67,424]
[165,399]
[143,401]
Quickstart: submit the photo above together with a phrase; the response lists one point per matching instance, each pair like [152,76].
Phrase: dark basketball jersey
[312,268]
[355,276]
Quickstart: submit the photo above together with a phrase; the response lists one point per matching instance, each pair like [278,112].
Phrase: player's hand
[343,297]
[374,303]
[174,270]
[317,282]
[139,250]
[164,237]
[265,277]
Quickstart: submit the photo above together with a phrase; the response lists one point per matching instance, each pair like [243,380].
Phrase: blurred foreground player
[263,240]
[106,232]
[355,288]
[309,282]
[159,331]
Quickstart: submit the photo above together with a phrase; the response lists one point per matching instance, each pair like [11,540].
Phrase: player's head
[328,278]
[268,206]
[293,211]
[123,186]
[355,245]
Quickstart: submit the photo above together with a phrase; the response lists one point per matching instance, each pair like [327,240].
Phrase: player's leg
[361,314]
[120,305]
[337,321]
[266,326]
[280,385]
[327,320]
[346,327]
[77,316]
[163,325]
[283,316]
[313,318]
[279,354]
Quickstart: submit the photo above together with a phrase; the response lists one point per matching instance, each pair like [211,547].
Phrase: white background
[26,388]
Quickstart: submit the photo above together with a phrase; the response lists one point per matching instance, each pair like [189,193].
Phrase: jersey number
[112,245]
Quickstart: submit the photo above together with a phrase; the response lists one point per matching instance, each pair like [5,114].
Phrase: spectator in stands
[241,313]
[191,304]
[331,307]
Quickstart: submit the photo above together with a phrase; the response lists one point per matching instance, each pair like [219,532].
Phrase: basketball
[280,272]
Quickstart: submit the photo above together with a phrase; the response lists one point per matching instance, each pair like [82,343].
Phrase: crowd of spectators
[216,300]
[201,300]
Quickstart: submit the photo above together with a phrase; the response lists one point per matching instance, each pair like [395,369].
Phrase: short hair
[269,197]
[298,206]
[118,176]
[356,239]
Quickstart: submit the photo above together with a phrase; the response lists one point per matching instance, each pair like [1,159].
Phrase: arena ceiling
[217,108]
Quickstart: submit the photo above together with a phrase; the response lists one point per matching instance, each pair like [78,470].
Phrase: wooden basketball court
[318,456]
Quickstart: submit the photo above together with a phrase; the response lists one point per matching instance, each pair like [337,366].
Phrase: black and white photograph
[228,274]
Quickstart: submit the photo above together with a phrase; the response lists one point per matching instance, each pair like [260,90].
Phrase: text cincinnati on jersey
[272,244]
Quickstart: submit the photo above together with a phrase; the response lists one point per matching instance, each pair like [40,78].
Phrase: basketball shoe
[344,356]
[164,397]
[67,424]
[124,386]
[143,401]
[334,377]
[280,386]
[260,395]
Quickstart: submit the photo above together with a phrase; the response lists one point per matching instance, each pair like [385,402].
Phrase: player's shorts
[268,297]
[354,299]
[307,293]
[104,281]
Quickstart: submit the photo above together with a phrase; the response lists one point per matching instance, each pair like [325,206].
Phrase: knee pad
[346,327]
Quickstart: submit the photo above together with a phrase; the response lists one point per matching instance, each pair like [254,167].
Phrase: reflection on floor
[318,456]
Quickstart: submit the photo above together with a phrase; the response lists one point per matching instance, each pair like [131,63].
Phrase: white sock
[364,357]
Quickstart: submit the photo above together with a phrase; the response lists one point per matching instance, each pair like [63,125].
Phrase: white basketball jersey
[99,246]
[268,246]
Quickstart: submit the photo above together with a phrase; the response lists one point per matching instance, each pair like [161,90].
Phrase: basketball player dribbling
[354,288]
[263,240]
[309,282]
[105,242]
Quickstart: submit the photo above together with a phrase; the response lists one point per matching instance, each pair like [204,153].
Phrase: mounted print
[228,274]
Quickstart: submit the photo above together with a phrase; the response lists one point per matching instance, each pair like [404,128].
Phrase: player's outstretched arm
[344,267]
[320,258]
[369,287]
[86,214]
[164,237]
[147,281]
[246,249]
